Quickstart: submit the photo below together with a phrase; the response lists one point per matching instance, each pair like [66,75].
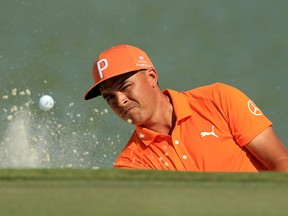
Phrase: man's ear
[153,76]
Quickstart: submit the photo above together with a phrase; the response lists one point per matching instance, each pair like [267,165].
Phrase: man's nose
[121,99]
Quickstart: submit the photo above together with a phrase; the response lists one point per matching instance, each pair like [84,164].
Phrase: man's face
[131,95]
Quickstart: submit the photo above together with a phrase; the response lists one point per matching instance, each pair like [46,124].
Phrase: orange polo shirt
[213,125]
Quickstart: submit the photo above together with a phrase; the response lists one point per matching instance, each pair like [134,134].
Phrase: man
[211,128]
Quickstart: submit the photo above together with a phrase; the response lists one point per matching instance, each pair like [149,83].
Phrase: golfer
[214,128]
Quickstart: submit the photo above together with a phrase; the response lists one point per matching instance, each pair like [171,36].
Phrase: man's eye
[108,98]
[125,87]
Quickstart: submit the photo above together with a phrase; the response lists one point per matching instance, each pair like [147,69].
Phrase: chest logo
[212,133]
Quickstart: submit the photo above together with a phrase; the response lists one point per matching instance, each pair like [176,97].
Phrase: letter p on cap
[102,65]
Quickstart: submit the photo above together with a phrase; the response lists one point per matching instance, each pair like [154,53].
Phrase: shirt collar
[181,108]
[180,103]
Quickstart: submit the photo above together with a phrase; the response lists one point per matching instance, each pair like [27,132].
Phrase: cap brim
[92,92]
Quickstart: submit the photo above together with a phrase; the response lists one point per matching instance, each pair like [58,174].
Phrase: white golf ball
[46,102]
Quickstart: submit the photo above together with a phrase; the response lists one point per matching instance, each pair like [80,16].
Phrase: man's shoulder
[218,86]
[209,91]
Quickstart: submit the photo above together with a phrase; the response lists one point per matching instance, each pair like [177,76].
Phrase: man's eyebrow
[122,83]
[118,85]
[114,84]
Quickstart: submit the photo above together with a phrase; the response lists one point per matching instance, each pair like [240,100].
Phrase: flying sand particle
[47,158]
[14,92]
[14,109]
[9,117]
[28,92]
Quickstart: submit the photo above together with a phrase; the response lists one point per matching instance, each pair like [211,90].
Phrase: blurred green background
[48,47]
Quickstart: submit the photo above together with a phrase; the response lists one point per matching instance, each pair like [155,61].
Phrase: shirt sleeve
[243,116]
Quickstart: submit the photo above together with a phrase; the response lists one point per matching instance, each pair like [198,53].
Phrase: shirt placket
[182,151]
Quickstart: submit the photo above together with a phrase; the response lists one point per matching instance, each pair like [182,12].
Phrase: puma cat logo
[212,133]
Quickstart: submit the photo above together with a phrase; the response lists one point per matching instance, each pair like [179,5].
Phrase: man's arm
[269,150]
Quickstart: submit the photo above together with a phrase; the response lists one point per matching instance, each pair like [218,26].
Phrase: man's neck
[164,119]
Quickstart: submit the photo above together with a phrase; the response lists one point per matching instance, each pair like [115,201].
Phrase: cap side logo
[102,65]
[254,109]
[142,62]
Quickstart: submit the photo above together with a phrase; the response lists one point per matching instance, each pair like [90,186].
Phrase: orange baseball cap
[115,61]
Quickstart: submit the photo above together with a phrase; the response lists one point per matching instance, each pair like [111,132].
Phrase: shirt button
[184,157]
[176,142]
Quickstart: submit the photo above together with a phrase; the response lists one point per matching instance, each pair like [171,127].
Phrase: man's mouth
[128,110]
